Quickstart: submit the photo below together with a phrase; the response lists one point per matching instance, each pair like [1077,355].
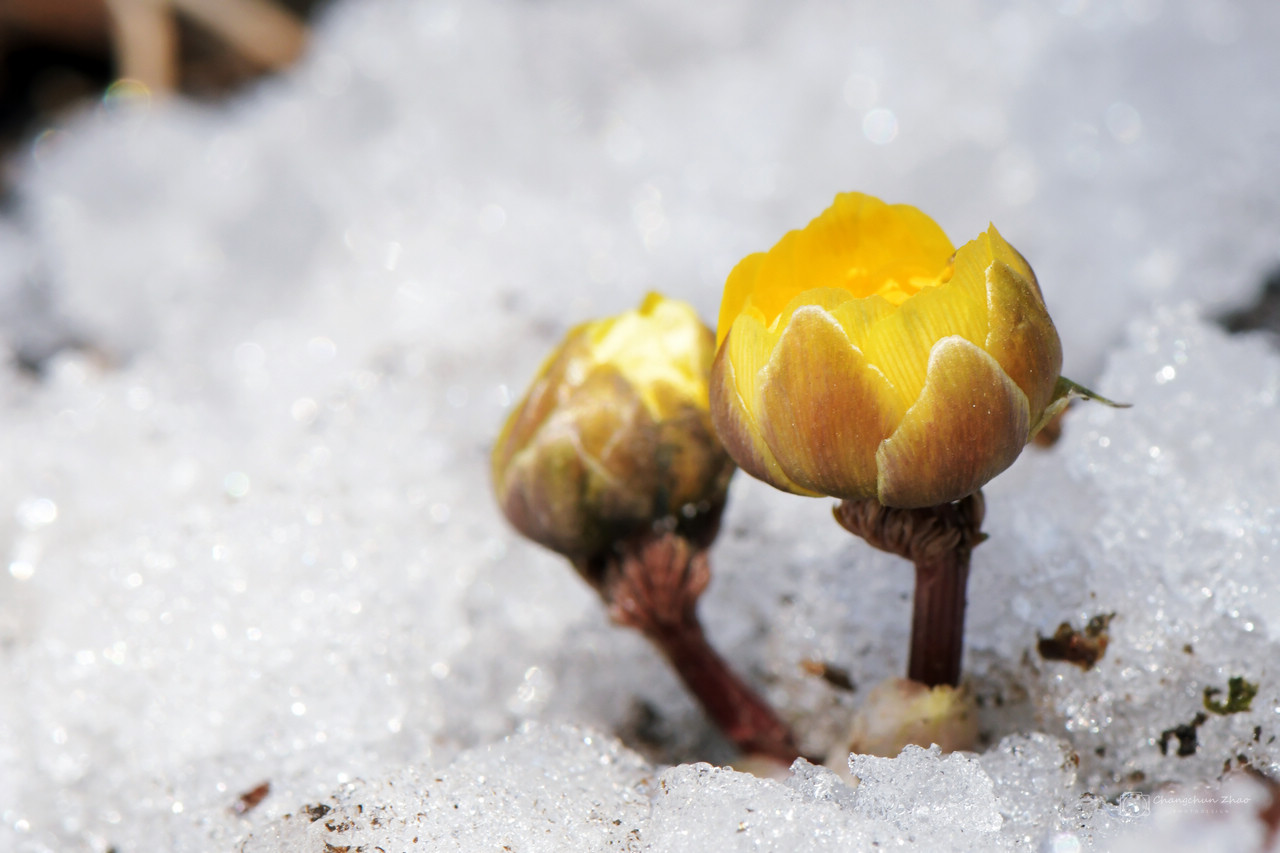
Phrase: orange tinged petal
[1022,338]
[1012,258]
[824,409]
[969,424]
[547,392]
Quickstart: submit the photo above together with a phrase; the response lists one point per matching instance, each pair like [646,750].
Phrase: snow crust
[247,528]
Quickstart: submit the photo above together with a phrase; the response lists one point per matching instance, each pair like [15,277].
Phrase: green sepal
[1066,389]
[1063,393]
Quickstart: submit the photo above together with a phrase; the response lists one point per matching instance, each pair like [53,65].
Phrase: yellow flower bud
[865,358]
[615,435]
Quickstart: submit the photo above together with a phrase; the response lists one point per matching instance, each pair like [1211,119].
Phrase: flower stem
[652,583]
[734,707]
[939,540]
[937,621]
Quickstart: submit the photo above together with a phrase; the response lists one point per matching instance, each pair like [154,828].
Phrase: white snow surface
[247,528]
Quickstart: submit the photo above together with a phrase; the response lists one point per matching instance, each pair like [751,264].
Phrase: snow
[247,526]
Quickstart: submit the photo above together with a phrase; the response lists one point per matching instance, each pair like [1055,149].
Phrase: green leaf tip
[1066,389]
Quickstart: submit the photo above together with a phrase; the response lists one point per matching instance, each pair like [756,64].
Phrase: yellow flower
[615,435]
[865,358]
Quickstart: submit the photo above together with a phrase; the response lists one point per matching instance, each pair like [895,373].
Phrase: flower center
[895,285]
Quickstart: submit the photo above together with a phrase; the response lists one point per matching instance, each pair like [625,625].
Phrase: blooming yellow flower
[863,357]
[615,434]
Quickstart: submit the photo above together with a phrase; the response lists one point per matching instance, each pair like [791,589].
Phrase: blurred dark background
[55,54]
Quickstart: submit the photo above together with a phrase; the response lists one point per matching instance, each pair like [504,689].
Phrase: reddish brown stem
[735,708]
[652,583]
[937,622]
[939,540]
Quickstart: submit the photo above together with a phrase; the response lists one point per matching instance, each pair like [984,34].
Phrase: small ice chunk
[923,790]
[920,799]
[699,807]
[1033,775]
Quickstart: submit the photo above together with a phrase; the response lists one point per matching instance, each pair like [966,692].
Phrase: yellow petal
[1012,258]
[746,351]
[735,423]
[860,243]
[969,424]
[969,268]
[790,268]
[737,293]
[661,348]
[549,390]
[824,410]
[541,492]
[827,298]
[1022,337]
[615,437]
[858,316]
[900,342]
